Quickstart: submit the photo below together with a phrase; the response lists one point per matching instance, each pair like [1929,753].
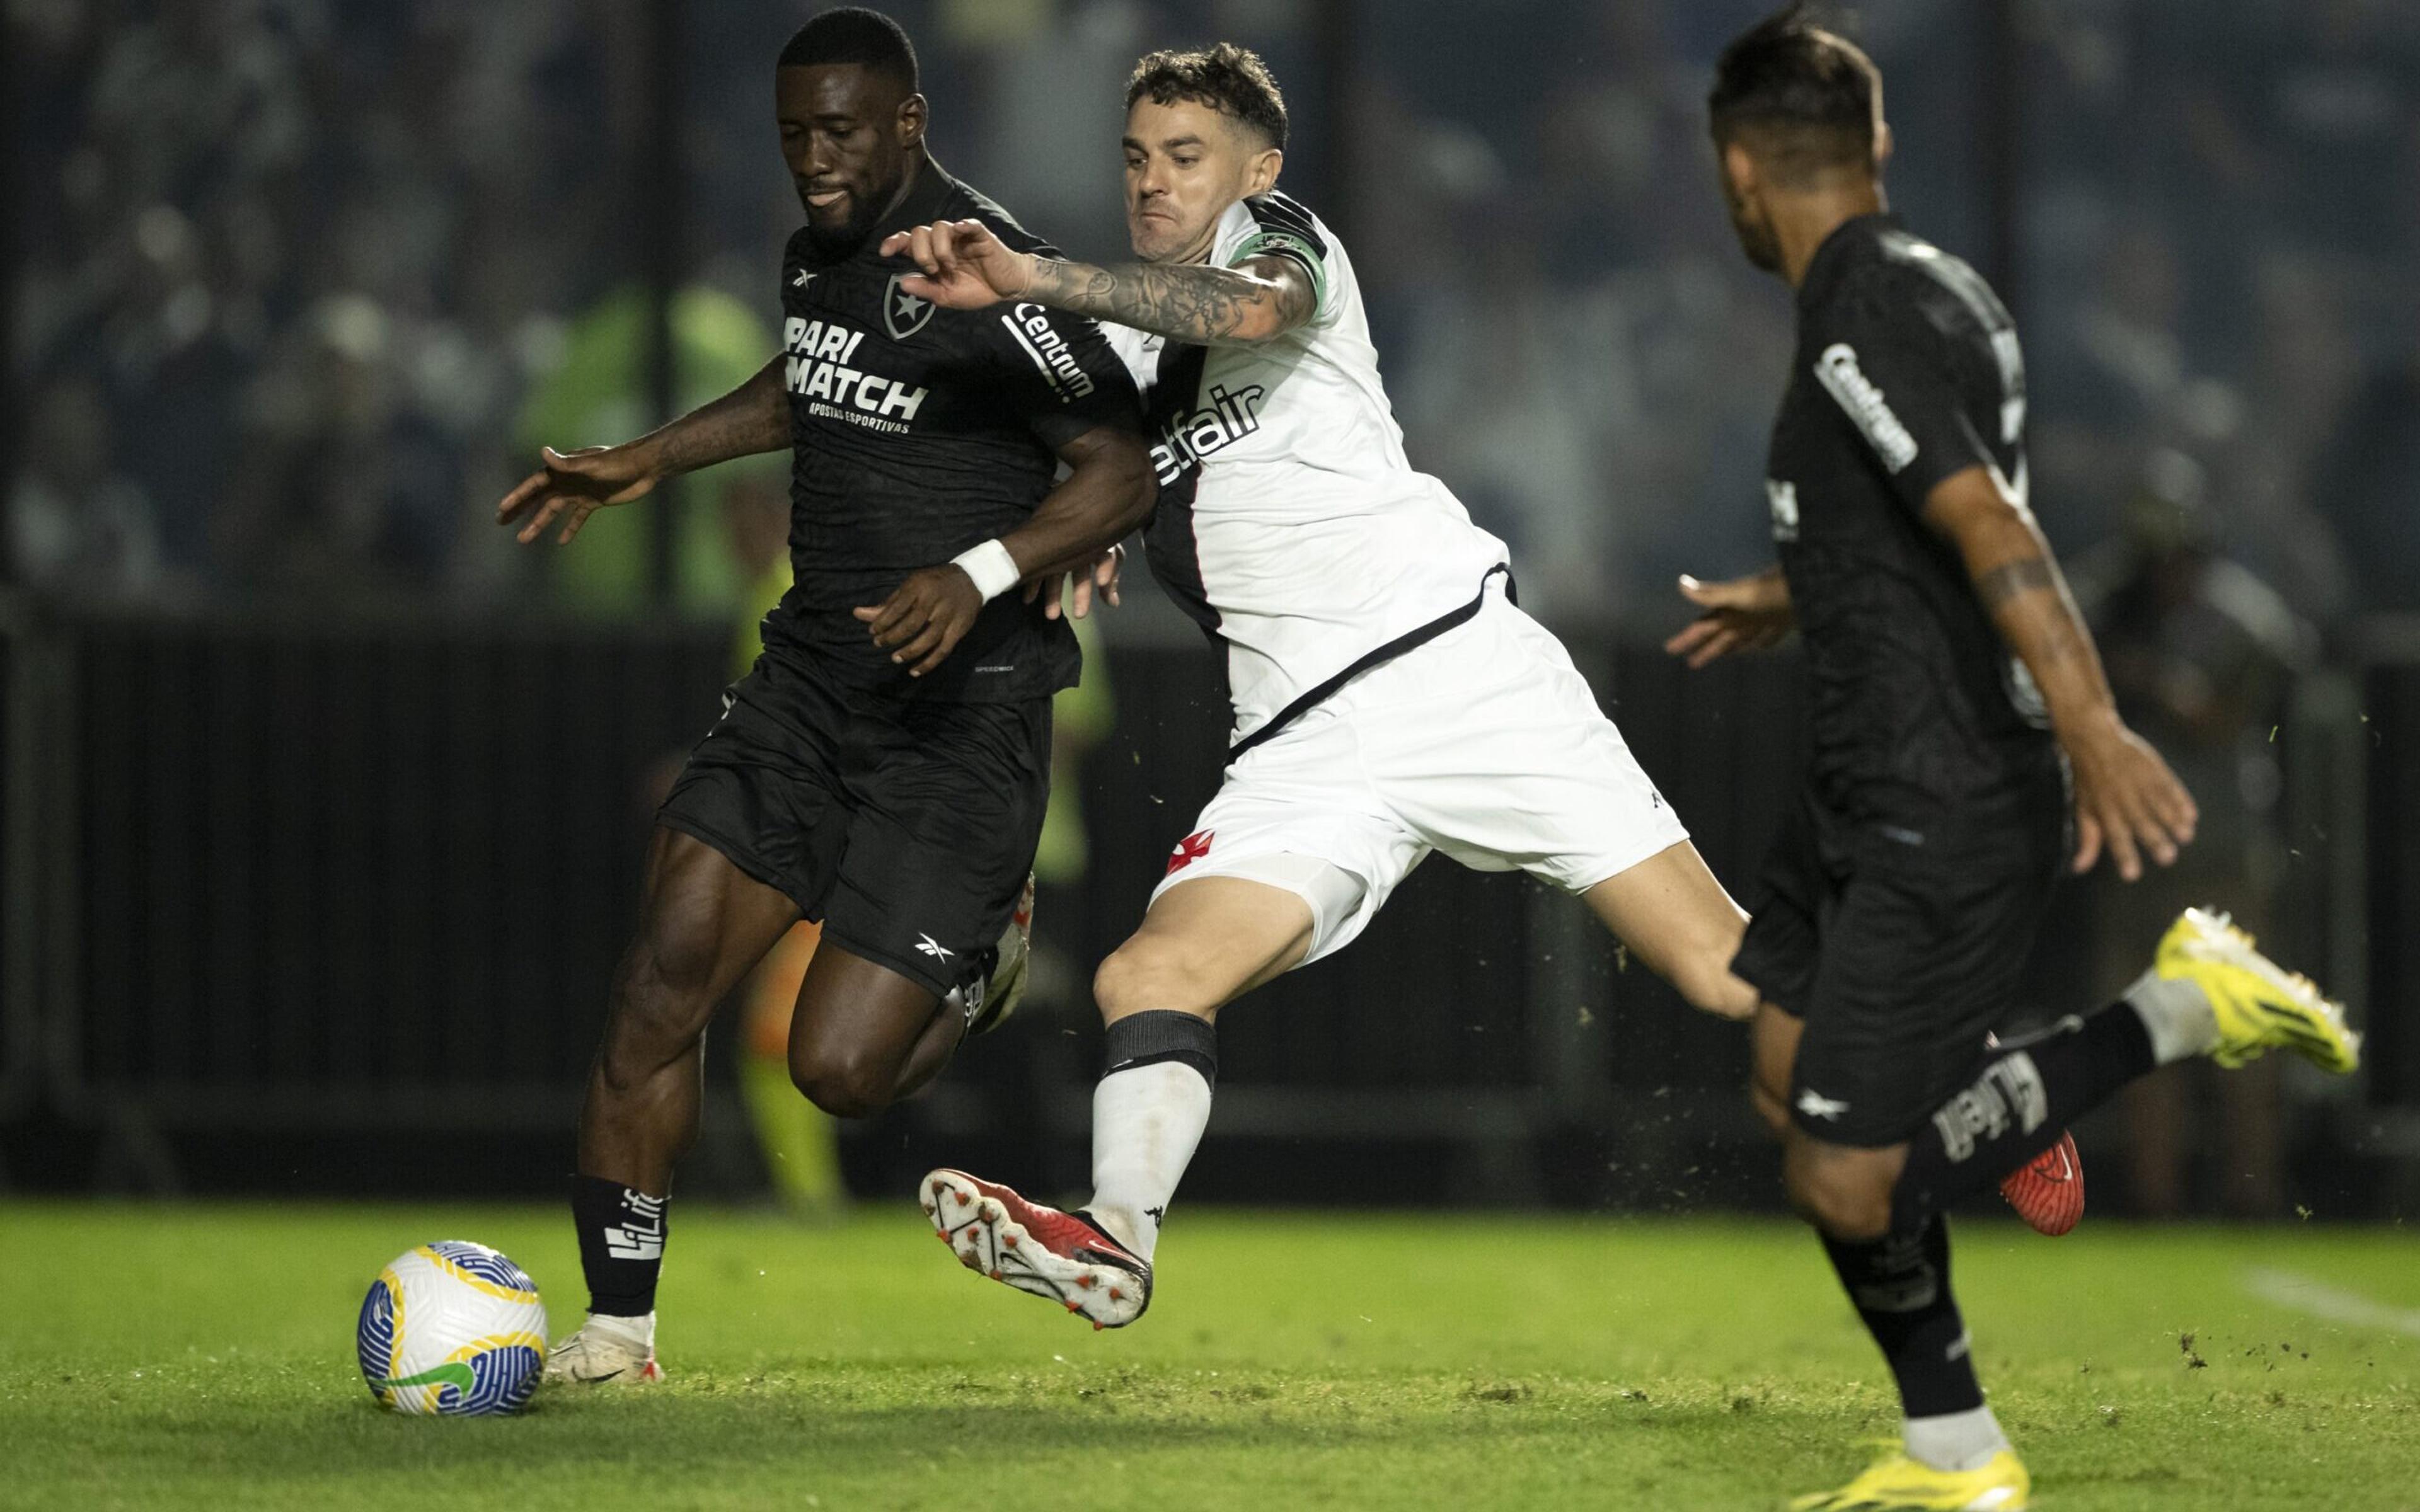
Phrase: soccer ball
[452,1327]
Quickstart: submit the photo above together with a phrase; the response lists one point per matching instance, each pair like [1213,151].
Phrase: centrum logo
[1030,325]
[1837,371]
[453,1373]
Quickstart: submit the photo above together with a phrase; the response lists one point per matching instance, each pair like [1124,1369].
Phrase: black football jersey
[1907,371]
[918,432]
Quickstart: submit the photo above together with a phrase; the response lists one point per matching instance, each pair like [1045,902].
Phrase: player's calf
[662,1000]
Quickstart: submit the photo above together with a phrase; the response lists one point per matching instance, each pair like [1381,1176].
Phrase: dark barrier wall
[2391,704]
[367,874]
[316,906]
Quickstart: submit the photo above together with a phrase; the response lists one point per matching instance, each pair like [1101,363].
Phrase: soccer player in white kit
[1390,699]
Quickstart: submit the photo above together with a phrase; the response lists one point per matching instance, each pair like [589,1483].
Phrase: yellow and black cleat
[1895,1483]
[2260,1005]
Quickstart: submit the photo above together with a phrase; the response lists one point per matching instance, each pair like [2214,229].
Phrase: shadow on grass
[798,1429]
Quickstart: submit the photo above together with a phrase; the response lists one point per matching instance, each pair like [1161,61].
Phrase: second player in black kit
[884,765]
[1915,870]
[1898,906]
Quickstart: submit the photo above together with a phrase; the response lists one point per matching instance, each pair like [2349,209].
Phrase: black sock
[1156,1035]
[621,1245]
[1900,1285]
[2026,1096]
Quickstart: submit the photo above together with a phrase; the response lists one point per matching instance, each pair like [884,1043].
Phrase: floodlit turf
[182,1357]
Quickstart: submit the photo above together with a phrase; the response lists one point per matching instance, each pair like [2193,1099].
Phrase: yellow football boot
[2258,1004]
[1895,1483]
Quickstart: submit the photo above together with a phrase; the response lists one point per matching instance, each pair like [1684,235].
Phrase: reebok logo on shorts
[934,948]
[1816,1105]
[1190,849]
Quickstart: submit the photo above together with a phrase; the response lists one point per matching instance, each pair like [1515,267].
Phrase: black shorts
[907,826]
[1901,951]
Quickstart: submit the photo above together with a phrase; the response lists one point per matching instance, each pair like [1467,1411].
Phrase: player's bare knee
[1143,975]
[845,1083]
[1857,1217]
[1848,1200]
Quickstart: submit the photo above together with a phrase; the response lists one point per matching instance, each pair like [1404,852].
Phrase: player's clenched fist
[574,486]
[966,267]
[924,619]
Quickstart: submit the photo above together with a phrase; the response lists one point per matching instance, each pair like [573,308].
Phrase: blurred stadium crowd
[294,273]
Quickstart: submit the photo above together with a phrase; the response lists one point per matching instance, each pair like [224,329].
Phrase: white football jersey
[1290,525]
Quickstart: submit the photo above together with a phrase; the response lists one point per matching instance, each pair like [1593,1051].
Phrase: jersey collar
[1838,251]
[923,203]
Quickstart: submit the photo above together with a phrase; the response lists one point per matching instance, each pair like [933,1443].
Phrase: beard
[832,242]
[1756,239]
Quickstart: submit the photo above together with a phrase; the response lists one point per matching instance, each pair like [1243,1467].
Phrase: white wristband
[992,568]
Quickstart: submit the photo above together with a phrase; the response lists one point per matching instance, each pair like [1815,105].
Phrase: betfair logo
[1187,440]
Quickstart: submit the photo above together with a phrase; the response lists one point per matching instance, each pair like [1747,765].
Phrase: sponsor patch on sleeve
[1029,324]
[1267,243]
[1856,393]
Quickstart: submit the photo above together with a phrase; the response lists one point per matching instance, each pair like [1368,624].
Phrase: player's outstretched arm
[1744,614]
[2126,799]
[967,268]
[751,418]
[1108,491]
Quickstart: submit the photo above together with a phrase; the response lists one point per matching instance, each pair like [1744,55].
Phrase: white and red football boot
[604,1349]
[1063,1257]
[2048,1192]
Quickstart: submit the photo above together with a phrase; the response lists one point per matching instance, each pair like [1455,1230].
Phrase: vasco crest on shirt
[903,314]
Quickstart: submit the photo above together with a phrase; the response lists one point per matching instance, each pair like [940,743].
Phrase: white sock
[1954,1440]
[1146,1124]
[2174,1015]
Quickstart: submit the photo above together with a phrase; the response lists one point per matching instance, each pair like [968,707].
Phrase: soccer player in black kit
[1898,905]
[884,764]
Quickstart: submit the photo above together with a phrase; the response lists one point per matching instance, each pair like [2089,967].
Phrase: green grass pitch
[202,1357]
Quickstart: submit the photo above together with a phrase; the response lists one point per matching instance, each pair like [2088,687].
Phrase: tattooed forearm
[2010,580]
[2028,601]
[1214,306]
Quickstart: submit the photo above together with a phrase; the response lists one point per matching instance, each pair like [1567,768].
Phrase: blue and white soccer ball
[453,1327]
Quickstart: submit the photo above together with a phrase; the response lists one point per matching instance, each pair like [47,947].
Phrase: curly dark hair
[1230,80]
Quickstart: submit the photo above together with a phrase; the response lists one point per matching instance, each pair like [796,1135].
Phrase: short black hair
[853,34]
[1230,80]
[1805,97]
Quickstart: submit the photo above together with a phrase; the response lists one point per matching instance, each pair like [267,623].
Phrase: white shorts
[1485,743]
